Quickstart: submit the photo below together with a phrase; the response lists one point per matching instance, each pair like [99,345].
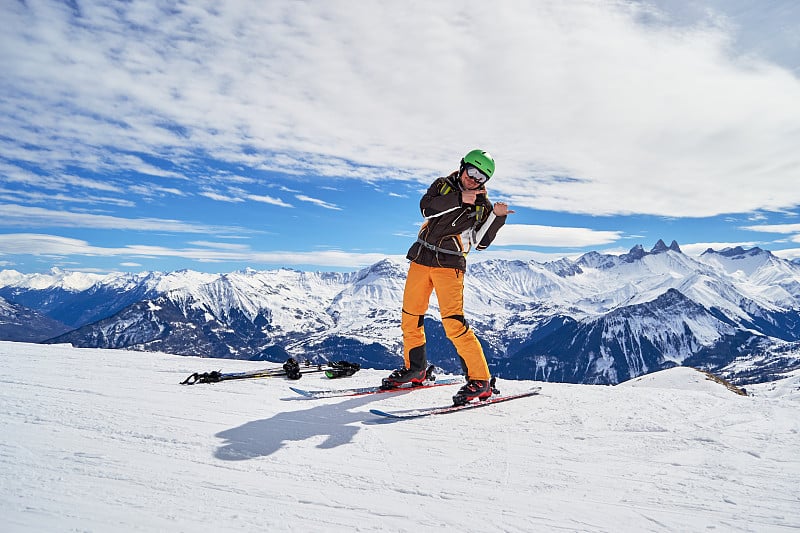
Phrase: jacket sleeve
[436,202]
[487,231]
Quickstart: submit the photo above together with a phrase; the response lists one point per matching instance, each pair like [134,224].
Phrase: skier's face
[473,178]
[470,183]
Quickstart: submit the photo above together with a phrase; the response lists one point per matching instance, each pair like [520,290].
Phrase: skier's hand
[501,209]
[468,197]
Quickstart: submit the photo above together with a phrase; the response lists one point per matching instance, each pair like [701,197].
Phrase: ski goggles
[479,177]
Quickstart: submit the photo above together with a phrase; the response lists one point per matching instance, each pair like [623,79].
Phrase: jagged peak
[636,253]
[661,247]
[738,251]
[383,263]
[747,252]
[563,268]
[384,266]
[597,260]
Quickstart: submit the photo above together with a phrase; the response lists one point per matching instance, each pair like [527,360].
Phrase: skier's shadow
[261,438]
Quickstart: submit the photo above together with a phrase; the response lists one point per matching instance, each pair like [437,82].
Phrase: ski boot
[401,376]
[481,389]
[292,368]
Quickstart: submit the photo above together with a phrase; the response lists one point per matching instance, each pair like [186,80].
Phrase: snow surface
[104,440]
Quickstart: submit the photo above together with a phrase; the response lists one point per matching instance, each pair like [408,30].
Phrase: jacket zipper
[453,224]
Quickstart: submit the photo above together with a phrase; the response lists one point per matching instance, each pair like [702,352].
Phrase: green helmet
[481,160]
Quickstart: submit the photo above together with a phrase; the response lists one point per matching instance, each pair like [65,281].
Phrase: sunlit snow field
[101,440]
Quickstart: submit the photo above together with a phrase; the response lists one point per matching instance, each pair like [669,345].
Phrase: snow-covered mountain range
[598,319]
[20,323]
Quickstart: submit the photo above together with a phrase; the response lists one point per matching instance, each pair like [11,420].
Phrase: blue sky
[217,136]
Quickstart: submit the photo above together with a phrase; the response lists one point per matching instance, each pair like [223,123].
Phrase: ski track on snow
[102,440]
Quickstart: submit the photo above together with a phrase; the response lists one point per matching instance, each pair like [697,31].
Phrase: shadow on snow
[261,438]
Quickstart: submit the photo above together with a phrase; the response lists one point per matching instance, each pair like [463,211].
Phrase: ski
[291,369]
[216,376]
[375,390]
[428,411]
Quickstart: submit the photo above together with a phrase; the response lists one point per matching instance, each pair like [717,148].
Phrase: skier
[458,215]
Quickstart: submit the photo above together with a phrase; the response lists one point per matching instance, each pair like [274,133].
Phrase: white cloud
[788,253]
[44,197]
[778,228]
[84,183]
[762,29]
[316,201]
[775,228]
[32,217]
[220,245]
[58,181]
[268,200]
[221,197]
[57,246]
[662,119]
[236,195]
[40,244]
[534,235]
[149,190]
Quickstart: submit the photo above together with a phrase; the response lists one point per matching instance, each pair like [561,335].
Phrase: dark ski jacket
[452,228]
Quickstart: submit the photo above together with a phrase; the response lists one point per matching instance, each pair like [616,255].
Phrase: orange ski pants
[449,286]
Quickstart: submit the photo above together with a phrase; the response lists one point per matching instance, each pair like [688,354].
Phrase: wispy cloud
[221,197]
[534,235]
[58,181]
[268,200]
[57,246]
[677,109]
[651,118]
[37,217]
[775,228]
[317,201]
[782,229]
[789,253]
[150,190]
[238,196]
[42,197]
[220,245]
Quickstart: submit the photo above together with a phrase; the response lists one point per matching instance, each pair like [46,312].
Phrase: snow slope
[102,440]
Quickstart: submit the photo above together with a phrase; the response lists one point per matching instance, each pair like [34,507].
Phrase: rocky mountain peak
[661,247]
